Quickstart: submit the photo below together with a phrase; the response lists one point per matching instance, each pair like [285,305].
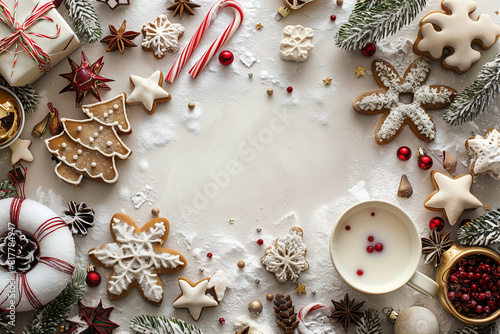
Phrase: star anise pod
[120,38]
[179,6]
[462,306]
[347,311]
[435,246]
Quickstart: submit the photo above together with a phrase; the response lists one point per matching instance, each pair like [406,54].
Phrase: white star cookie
[20,151]
[451,195]
[194,297]
[148,91]
[486,153]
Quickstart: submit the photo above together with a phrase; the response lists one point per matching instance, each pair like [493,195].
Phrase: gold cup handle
[423,284]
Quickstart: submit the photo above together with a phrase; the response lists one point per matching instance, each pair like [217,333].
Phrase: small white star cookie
[451,195]
[486,153]
[148,91]
[194,297]
[20,151]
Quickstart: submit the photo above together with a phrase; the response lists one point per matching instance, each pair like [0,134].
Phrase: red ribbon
[20,36]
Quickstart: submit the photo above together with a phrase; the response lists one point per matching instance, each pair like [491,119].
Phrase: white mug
[376,248]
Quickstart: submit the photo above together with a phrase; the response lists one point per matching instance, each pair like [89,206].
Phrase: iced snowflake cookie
[148,91]
[451,195]
[403,101]
[455,31]
[194,297]
[486,153]
[161,36]
[296,43]
[287,257]
[137,257]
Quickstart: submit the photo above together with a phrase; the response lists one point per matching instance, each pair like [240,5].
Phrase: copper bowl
[450,258]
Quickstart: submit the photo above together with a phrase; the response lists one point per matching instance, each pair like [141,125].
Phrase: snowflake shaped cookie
[137,257]
[287,258]
[161,36]
[390,100]
[296,43]
[455,31]
[486,153]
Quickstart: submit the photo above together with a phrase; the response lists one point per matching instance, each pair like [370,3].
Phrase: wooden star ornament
[451,195]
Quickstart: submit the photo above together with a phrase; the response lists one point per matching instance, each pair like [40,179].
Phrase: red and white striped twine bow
[20,36]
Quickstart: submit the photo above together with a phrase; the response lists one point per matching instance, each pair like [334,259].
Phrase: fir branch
[28,96]
[4,324]
[373,20]
[85,21]
[370,323]
[48,318]
[489,329]
[158,324]
[477,97]
[482,231]
[7,190]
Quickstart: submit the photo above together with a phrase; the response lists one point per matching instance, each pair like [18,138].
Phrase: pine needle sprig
[158,324]
[28,96]
[482,231]
[488,329]
[477,97]
[370,323]
[7,190]
[373,20]
[4,324]
[84,18]
[50,317]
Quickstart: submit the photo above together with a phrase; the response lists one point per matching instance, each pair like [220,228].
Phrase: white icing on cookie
[161,36]
[486,153]
[456,30]
[148,91]
[194,297]
[287,257]
[219,282]
[296,43]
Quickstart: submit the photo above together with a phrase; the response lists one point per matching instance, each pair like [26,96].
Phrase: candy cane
[198,35]
[308,309]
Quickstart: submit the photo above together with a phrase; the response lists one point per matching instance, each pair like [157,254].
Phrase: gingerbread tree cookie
[486,153]
[455,31]
[389,100]
[88,148]
[137,257]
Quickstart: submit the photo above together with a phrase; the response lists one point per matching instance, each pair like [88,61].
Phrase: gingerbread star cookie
[137,257]
[194,297]
[403,101]
[20,151]
[486,153]
[148,91]
[451,195]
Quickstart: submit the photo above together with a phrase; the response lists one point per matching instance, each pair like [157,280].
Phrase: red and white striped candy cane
[198,35]
[308,309]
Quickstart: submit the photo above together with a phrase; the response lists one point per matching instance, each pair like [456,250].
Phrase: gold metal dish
[11,117]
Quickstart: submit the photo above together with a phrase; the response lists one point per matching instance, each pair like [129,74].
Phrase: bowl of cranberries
[469,284]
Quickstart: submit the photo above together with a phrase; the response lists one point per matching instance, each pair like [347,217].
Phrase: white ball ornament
[416,320]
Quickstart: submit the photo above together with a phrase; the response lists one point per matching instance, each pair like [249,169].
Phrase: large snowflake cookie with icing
[137,257]
[452,195]
[287,257]
[403,100]
[455,31]
[296,43]
[161,36]
[486,153]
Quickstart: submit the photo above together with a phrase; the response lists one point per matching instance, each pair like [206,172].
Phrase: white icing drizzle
[296,43]
[161,36]
[486,153]
[287,257]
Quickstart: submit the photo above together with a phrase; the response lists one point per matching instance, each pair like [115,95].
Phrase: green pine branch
[477,97]
[7,190]
[84,18]
[28,96]
[488,329]
[373,20]
[50,317]
[4,324]
[370,323]
[158,324]
[482,231]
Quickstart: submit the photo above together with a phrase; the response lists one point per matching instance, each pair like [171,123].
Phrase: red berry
[347,227]
[437,223]
[369,49]
[465,297]
[379,247]
[478,309]
[289,89]
[333,17]
[404,153]
[451,295]
[222,320]
[465,222]
[209,255]
[371,238]
[370,249]
[260,242]
[360,272]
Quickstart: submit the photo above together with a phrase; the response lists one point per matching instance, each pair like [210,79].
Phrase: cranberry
[451,295]
[462,262]
[490,303]
[488,294]
[487,309]
[379,247]
[463,274]
[482,296]
[465,297]
[473,303]
[371,238]
[370,249]
[478,309]
[360,272]
[474,287]
[493,308]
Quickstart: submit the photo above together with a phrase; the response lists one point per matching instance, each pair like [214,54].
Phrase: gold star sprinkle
[487,207]
[301,288]
[327,81]
[259,26]
[360,71]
